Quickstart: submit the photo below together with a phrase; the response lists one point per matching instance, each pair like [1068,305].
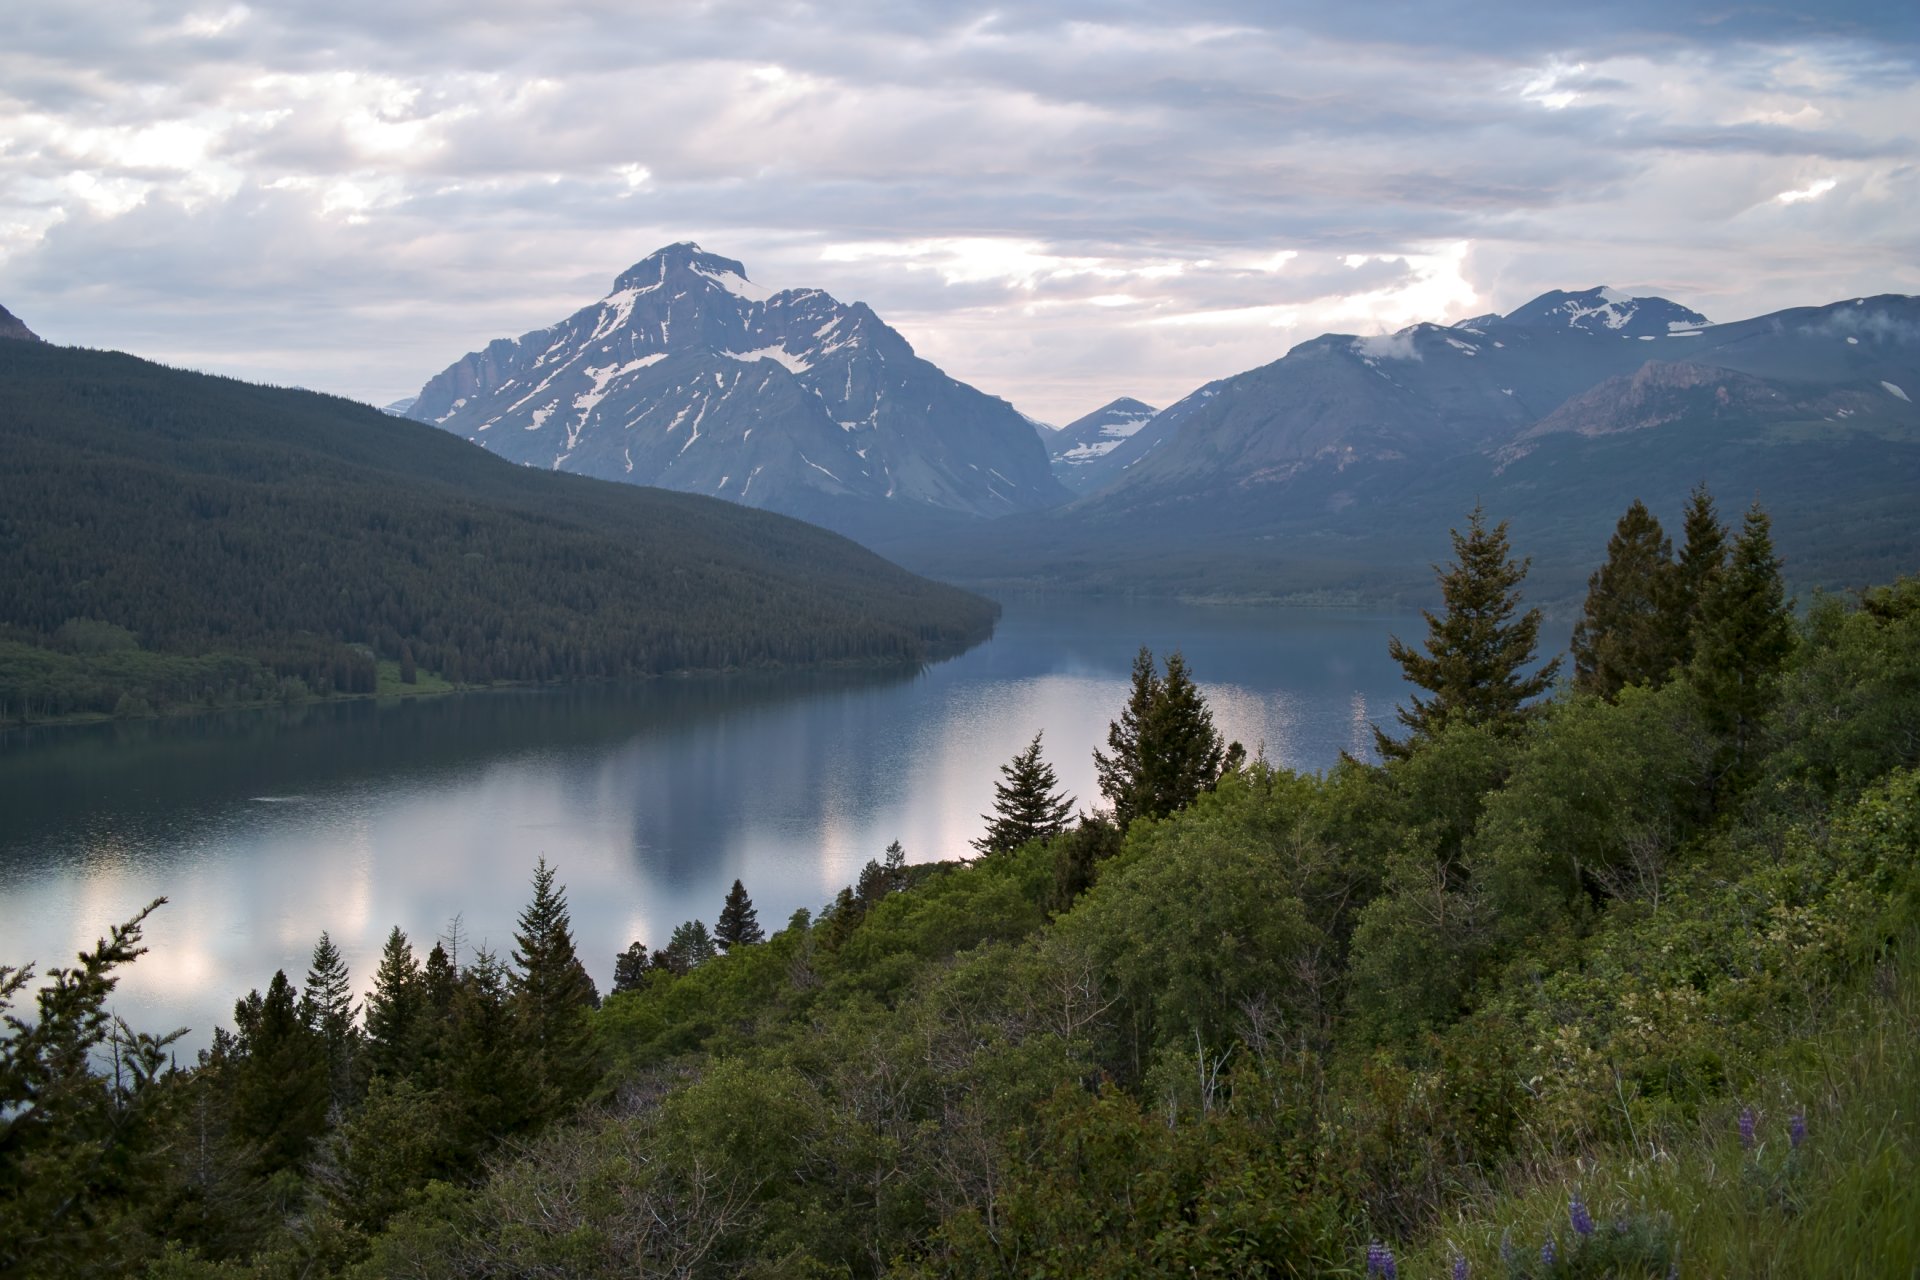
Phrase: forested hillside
[1623,982]
[172,538]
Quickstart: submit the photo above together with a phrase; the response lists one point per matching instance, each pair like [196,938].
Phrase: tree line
[1425,1015]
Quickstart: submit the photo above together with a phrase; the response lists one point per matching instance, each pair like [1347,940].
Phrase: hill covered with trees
[1622,982]
[173,538]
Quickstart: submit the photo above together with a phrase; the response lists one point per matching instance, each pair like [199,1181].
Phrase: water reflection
[265,828]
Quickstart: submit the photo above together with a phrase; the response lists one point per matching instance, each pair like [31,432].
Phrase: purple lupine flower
[1389,1269]
[1797,1129]
[1548,1253]
[1376,1253]
[1459,1266]
[1507,1251]
[1746,1128]
[1620,1225]
[1577,1215]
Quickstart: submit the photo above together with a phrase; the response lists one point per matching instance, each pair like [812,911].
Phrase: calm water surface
[264,828]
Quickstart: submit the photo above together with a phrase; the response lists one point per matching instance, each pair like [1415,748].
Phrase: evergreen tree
[1119,772]
[439,986]
[1027,804]
[1626,634]
[552,994]
[327,1008]
[1703,555]
[690,947]
[487,1074]
[278,1079]
[630,968]
[394,1008]
[739,924]
[1477,651]
[1743,641]
[1165,750]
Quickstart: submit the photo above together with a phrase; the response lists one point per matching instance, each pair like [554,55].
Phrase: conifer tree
[1027,804]
[393,1009]
[439,986]
[739,924]
[1165,748]
[690,947]
[1625,636]
[1743,640]
[552,994]
[327,1008]
[487,1074]
[1477,651]
[278,1079]
[630,968]
[1119,772]
[1703,554]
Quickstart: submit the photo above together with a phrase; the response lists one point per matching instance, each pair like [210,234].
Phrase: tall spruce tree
[327,1008]
[552,995]
[1119,772]
[278,1079]
[1027,804]
[1626,635]
[1477,650]
[1703,555]
[630,968]
[394,1009]
[1743,640]
[739,923]
[1165,749]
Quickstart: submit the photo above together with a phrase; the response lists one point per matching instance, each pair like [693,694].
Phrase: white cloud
[1812,191]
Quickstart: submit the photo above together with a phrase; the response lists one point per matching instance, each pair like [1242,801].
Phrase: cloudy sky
[1059,202]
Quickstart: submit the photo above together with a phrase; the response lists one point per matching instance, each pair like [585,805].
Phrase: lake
[264,828]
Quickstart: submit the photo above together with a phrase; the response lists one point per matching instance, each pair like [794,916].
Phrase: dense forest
[1622,980]
[173,539]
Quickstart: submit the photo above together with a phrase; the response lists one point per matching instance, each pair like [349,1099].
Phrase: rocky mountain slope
[12,327]
[1081,450]
[689,376]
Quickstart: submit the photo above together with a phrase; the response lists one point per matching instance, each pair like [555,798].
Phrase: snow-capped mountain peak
[1605,311]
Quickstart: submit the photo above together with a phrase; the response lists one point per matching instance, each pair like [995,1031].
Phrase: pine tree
[1027,804]
[690,947]
[630,968]
[1119,773]
[1703,556]
[1743,640]
[739,924]
[327,1008]
[278,1079]
[487,1074]
[394,1008]
[1478,651]
[1626,634]
[552,994]
[1181,753]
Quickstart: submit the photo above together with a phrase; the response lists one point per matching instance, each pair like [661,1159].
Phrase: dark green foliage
[690,946]
[1702,555]
[552,995]
[395,1009]
[82,1151]
[277,1080]
[1628,633]
[259,542]
[1741,643]
[739,924]
[1164,748]
[1027,803]
[1478,651]
[327,1008]
[630,968]
[1075,855]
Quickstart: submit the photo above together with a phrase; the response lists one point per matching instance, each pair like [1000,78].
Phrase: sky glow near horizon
[1058,202]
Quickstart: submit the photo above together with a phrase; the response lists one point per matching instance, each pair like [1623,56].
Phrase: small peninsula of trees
[1621,979]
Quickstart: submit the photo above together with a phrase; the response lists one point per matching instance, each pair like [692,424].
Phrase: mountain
[12,327]
[398,408]
[153,514]
[689,376]
[1079,450]
[1325,473]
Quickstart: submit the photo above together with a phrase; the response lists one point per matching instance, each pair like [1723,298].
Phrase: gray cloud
[1061,202]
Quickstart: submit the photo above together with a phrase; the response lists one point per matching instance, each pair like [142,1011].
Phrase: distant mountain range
[689,376]
[1335,471]
[1082,452]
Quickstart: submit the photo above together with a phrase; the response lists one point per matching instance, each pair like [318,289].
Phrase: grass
[425,682]
[1845,1204]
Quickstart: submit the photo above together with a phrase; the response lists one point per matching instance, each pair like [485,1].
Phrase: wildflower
[1459,1266]
[1746,1128]
[1548,1253]
[1578,1216]
[1797,1129]
[1380,1262]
